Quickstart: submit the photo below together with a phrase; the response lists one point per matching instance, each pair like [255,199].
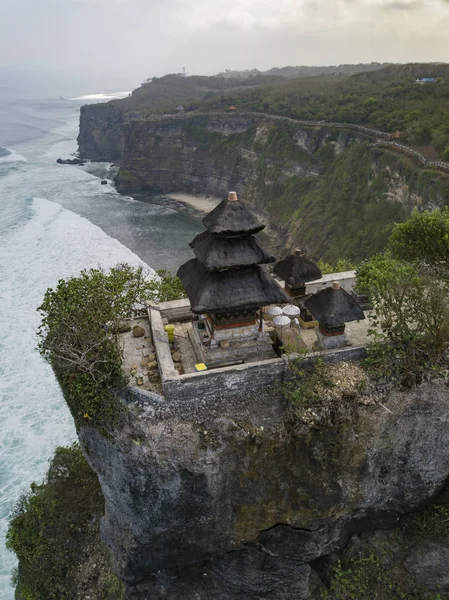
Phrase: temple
[296,270]
[332,308]
[226,284]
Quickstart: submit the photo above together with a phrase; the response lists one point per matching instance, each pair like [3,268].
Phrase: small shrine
[226,285]
[333,307]
[296,270]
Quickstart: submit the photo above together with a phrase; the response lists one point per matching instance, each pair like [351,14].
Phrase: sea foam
[110,96]
[10,156]
[51,243]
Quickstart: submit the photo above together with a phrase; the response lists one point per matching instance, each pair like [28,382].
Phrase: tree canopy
[77,335]
[409,290]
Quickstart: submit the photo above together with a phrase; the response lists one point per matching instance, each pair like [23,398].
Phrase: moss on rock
[54,532]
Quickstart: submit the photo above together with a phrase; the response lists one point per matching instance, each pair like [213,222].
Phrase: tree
[410,313]
[423,239]
[78,334]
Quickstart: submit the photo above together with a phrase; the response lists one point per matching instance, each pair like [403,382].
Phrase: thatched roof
[297,269]
[232,217]
[333,306]
[246,288]
[218,252]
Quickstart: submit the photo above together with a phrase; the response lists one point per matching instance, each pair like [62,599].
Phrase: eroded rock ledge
[223,500]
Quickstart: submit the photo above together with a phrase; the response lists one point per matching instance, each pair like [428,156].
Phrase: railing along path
[382,137]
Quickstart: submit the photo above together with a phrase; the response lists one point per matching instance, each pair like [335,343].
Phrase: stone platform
[246,345]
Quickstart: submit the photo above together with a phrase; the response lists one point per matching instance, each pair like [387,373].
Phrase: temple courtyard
[242,321]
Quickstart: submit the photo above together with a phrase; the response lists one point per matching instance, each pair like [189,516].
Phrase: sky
[100,45]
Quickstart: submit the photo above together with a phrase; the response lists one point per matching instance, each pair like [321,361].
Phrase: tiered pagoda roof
[232,217]
[225,276]
[297,269]
[219,252]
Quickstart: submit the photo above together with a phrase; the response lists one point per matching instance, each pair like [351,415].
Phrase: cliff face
[179,154]
[210,154]
[224,500]
[332,191]
[101,132]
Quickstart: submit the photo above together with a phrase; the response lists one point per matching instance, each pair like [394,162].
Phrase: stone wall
[226,380]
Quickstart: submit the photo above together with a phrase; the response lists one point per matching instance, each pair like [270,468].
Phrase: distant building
[232,108]
[180,110]
[425,80]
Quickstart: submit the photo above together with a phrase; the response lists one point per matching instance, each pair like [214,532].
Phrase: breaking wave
[10,156]
[50,243]
[110,96]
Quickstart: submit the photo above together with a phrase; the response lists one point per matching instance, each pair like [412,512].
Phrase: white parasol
[291,310]
[281,321]
[274,311]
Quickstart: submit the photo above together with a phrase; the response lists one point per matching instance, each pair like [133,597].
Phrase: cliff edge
[225,499]
[335,191]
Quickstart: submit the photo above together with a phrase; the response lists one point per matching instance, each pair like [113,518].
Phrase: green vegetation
[433,522]
[340,266]
[409,290]
[54,532]
[345,212]
[338,199]
[375,570]
[365,578]
[348,211]
[369,577]
[320,394]
[423,239]
[77,336]
[387,99]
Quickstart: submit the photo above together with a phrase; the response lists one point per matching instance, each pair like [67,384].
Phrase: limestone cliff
[223,499]
[332,190]
[101,132]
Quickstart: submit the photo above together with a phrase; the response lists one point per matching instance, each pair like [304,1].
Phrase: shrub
[342,264]
[54,531]
[422,239]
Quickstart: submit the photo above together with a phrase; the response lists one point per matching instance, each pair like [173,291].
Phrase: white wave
[110,96]
[10,156]
[53,243]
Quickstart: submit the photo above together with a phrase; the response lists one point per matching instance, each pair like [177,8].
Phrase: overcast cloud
[120,42]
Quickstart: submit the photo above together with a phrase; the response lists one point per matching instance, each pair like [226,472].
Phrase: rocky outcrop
[223,500]
[101,135]
[70,161]
[181,154]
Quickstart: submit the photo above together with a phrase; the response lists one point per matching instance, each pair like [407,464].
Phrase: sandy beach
[201,203]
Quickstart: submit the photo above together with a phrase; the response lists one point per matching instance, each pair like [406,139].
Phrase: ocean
[56,220]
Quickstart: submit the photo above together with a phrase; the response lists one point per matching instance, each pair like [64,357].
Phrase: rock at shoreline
[71,161]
